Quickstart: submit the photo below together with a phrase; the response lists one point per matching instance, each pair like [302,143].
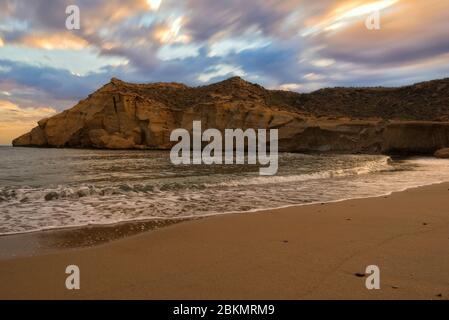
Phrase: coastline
[103,233]
[146,224]
[300,252]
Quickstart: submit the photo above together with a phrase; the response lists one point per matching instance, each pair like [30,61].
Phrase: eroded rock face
[141,116]
[442,153]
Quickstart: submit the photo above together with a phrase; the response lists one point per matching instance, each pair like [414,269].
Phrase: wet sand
[50,241]
[304,252]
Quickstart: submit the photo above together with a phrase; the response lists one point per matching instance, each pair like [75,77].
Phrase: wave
[25,194]
[31,194]
[26,209]
[368,167]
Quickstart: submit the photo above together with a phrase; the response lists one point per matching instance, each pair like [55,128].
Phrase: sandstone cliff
[120,115]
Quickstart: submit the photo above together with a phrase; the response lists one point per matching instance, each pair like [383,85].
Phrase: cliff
[120,115]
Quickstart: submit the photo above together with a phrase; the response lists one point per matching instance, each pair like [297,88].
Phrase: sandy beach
[302,252]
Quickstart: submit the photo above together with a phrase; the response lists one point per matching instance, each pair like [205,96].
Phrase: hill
[121,115]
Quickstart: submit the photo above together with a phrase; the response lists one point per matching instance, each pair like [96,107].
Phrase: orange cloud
[112,12]
[15,121]
[55,41]
[410,31]
[172,32]
[346,13]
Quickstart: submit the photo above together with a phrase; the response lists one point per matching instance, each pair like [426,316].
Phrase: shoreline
[170,220]
[122,229]
[47,240]
[301,252]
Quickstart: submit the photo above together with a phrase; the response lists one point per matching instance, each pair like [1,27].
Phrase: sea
[42,189]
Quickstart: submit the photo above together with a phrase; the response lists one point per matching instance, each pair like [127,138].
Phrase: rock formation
[120,115]
[442,153]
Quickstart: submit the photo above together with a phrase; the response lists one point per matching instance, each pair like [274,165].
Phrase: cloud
[409,31]
[223,44]
[313,76]
[154,4]
[13,113]
[171,32]
[175,51]
[81,62]
[221,70]
[60,41]
[15,121]
[287,44]
[323,63]
[289,86]
[345,14]
[58,83]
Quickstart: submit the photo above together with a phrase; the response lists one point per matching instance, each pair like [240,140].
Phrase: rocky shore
[120,115]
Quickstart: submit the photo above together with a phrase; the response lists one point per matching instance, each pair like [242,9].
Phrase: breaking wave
[383,164]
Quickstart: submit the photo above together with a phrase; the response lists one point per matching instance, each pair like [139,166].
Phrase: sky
[297,45]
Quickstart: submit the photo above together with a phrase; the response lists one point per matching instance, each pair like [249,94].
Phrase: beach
[316,251]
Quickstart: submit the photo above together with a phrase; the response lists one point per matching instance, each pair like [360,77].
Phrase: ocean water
[54,188]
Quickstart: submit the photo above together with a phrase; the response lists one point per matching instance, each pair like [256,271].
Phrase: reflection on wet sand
[71,238]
